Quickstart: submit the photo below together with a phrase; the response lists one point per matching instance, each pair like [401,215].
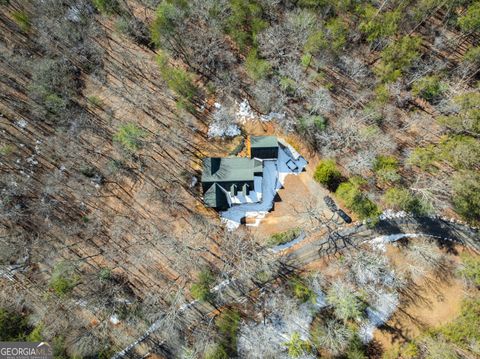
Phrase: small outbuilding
[264,147]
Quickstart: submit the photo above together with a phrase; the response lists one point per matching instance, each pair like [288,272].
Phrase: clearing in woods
[433,301]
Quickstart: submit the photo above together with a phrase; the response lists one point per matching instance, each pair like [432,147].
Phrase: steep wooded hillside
[105,108]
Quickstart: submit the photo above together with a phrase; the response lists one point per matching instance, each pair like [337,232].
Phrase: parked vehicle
[344,216]
[330,203]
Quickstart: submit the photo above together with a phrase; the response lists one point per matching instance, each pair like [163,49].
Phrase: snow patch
[193,181]
[275,330]
[278,327]
[114,319]
[224,123]
[379,243]
[21,123]
[217,129]
[74,14]
[245,112]
[321,300]
[221,285]
[271,116]
[378,315]
[390,214]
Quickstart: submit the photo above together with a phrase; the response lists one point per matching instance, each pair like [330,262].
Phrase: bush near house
[356,348]
[215,351]
[167,19]
[327,174]
[179,81]
[316,122]
[5,150]
[461,152]
[95,101]
[245,22]
[463,331]
[256,68]
[470,21]
[107,7]
[406,351]
[403,199]
[332,335]
[466,195]
[355,199]
[386,168]
[332,38]
[377,27]
[467,119]
[346,302]
[228,323]
[472,55]
[398,57]
[315,43]
[423,157]
[382,95]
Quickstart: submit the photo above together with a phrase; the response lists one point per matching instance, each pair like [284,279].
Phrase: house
[223,179]
[236,180]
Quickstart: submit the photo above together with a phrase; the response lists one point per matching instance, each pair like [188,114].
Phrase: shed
[264,147]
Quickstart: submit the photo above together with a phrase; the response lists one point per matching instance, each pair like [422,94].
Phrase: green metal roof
[263,141]
[216,197]
[257,165]
[228,169]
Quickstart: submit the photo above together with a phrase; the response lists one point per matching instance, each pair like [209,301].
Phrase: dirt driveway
[299,193]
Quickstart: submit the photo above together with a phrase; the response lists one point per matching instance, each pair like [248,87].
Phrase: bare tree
[332,335]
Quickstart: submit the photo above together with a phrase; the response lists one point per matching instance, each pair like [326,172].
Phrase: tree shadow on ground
[374,350]
[446,235]
[387,227]
[412,294]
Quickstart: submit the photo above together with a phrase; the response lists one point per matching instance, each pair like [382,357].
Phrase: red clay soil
[293,198]
[437,301]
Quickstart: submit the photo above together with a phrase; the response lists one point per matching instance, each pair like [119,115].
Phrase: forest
[107,108]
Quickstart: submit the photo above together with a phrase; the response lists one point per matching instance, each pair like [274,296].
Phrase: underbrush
[464,330]
[200,290]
